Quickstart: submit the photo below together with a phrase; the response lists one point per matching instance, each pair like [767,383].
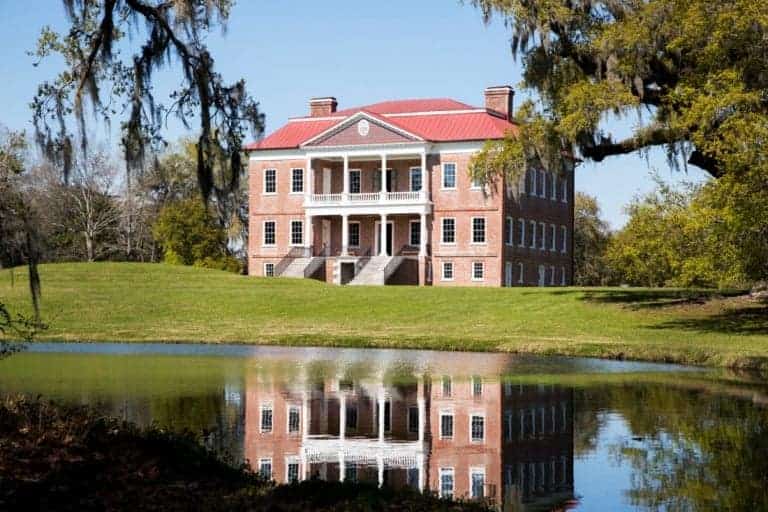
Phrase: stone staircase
[376,271]
[300,267]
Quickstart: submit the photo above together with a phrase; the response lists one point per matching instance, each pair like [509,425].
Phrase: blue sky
[359,52]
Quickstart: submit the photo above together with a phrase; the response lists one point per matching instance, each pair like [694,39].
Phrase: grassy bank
[144,302]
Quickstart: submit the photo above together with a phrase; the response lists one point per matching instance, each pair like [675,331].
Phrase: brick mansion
[381,194]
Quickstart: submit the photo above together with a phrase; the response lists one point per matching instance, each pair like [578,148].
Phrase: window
[446,482]
[270,227]
[477,428]
[552,275]
[477,483]
[508,273]
[265,468]
[478,270]
[541,186]
[447,271]
[521,184]
[564,190]
[293,419]
[415,179]
[520,272]
[297,232]
[477,386]
[269,270]
[413,420]
[532,235]
[415,236]
[412,478]
[532,182]
[508,426]
[554,187]
[266,418]
[509,231]
[353,234]
[521,232]
[446,386]
[564,235]
[292,472]
[449,231]
[478,230]
[351,414]
[297,181]
[270,181]
[350,473]
[354,181]
[562,276]
[446,425]
[542,236]
[476,184]
[552,237]
[387,416]
[449,176]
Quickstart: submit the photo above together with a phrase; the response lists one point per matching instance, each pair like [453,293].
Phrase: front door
[390,235]
[326,237]
[326,181]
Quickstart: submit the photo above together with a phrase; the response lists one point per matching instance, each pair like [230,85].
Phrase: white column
[383,236]
[422,480]
[345,235]
[425,177]
[342,417]
[304,418]
[384,174]
[341,466]
[422,418]
[346,176]
[309,184]
[381,418]
[308,234]
[423,235]
[380,464]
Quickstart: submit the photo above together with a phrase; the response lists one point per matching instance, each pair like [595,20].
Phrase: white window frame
[509,276]
[265,269]
[264,182]
[349,234]
[446,471]
[521,272]
[472,231]
[532,224]
[553,197]
[411,172]
[411,408]
[476,379]
[303,174]
[522,232]
[553,238]
[446,378]
[564,238]
[359,174]
[292,459]
[290,233]
[288,419]
[510,232]
[443,413]
[482,269]
[477,470]
[543,239]
[543,179]
[263,407]
[411,232]
[534,176]
[455,176]
[453,271]
[485,427]
[474,185]
[564,198]
[264,233]
[442,230]
[267,460]
[552,275]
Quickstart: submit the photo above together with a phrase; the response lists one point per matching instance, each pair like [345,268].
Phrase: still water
[525,433]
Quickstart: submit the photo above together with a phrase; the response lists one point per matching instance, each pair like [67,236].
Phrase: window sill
[269,193]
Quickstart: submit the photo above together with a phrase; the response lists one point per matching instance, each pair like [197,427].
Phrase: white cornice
[351,119]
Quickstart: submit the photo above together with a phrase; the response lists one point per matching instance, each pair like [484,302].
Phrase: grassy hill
[136,302]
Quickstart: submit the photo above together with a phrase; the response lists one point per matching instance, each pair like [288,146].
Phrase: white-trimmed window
[508,424]
[413,419]
[447,271]
[520,272]
[554,187]
[564,190]
[477,386]
[477,428]
[294,419]
[270,233]
[446,482]
[509,231]
[448,235]
[297,232]
[552,275]
[521,232]
[564,236]
[449,176]
[477,483]
[354,181]
[532,234]
[353,234]
[562,276]
[446,424]
[478,230]
[415,179]
[269,270]
[541,186]
[475,184]
[297,181]
[415,234]
[532,181]
[291,470]
[552,237]
[265,468]
[521,184]
[270,181]
[265,421]
[447,385]
[478,270]
[542,236]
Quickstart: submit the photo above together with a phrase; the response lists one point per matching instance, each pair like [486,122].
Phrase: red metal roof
[427,122]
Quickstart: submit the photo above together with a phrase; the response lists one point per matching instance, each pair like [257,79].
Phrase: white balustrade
[403,196]
[368,198]
[364,198]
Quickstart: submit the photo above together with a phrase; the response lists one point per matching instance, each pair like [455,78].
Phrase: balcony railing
[368,198]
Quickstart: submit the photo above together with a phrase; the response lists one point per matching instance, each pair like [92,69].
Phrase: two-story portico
[322,207]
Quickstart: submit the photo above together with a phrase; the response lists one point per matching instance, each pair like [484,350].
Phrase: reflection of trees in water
[692,450]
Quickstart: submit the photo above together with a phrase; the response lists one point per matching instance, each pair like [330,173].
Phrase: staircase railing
[314,265]
[293,254]
[392,267]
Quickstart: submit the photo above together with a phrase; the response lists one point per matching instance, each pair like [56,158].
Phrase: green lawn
[148,302]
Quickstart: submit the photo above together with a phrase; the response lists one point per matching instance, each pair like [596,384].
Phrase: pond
[525,433]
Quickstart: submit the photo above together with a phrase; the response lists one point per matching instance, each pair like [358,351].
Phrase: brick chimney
[320,107]
[499,100]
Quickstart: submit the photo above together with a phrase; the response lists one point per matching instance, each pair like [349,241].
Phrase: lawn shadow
[748,319]
[655,298]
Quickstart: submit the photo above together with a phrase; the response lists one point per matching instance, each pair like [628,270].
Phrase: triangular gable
[362,128]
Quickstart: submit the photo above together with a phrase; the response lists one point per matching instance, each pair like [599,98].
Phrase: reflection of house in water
[509,443]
